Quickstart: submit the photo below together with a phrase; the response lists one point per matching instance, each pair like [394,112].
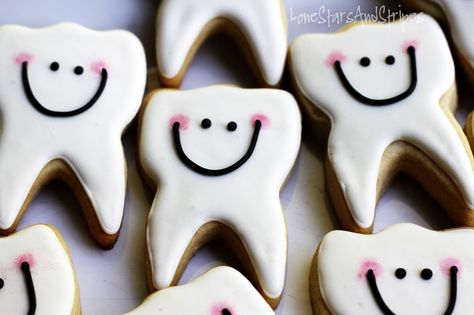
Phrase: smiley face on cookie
[35,270]
[228,151]
[378,85]
[97,70]
[66,95]
[405,269]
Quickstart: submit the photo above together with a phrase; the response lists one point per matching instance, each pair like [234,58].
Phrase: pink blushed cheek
[335,55]
[369,264]
[98,66]
[23,57]
[181,119]
[410,43]
[27,257]
[219,309]
[448,263]
[264,120]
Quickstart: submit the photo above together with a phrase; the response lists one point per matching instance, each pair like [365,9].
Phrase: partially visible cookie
[219,156]
[220,291]
[405,269]
[36,274]
[258,26]
[67,93]
[382,96]
[457,16]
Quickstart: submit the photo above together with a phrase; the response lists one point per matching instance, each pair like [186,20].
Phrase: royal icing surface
[180,23]
[237,179]
[67,92]
[220,291]
[407,268]
[35,253]
[459,14]
[397,74]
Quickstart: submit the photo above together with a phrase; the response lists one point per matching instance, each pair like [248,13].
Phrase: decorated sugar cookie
[221,291]
[36,274]
[219,156]
[383,95]
[259,26]
[66,95]
[405,269]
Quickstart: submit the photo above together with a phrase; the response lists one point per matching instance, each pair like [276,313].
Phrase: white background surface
[113,282]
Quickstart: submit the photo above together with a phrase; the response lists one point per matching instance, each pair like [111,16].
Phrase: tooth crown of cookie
[90,141]
[360,133]
[219,289]
[459,14]
[246,199]
[344,259]
[51,271]
[180,23]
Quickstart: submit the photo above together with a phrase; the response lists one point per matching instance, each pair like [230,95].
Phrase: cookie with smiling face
[382,95]
[66,95]
[219,156]
[36,274]
[220,291]
[405,269]
[259,26]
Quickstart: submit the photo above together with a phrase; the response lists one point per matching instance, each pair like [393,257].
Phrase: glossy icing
[361,132]
[245,199]
[263,22]
[51,272]
[220,289]
[64,66]
[424,287]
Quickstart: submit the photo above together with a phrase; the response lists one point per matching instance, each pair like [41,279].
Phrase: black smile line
[380,102]
[37,105]
[453,271]
[25,268]
[208,172]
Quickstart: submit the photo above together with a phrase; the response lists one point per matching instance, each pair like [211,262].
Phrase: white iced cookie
[219,156]
[383,93]
[66,95]
[259,26]
[405,269]
[220,291]
[36,274]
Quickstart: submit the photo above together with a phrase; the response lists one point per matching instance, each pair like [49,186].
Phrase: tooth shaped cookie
[260,26]
[36,274]
[382,93]
[66,95]
[219,156]
[405,269]
[220,291]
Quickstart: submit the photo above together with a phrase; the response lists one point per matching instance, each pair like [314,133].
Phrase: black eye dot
[364,61]
[2,283]
[390,60]
[400,273]
[78,70]
[54,66]
[225,311]
[232,126]
[426,274]
[206,123]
